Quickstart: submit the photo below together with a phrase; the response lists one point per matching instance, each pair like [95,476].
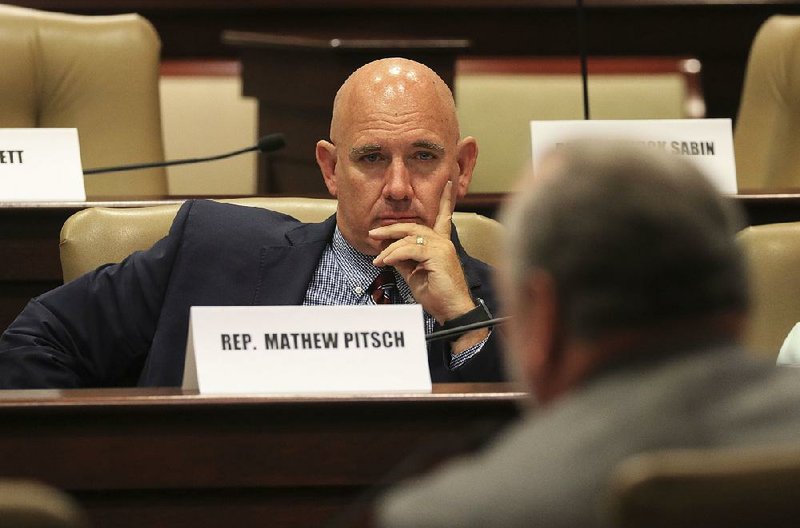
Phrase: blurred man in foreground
[627,295]
[396,163]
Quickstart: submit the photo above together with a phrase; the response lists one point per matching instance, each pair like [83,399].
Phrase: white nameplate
[790,350]
[306,349]
[40,164]
[707,142]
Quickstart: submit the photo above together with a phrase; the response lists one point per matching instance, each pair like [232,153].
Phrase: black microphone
[458,330]
[582,38]
[268,143]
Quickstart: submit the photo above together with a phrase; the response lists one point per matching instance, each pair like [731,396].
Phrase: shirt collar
[358,269]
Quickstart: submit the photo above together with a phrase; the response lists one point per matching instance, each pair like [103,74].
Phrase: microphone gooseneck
[582,38]
[444,334]
[268,143]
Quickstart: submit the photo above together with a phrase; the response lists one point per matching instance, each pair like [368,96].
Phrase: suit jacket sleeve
[487,365]
[96,330]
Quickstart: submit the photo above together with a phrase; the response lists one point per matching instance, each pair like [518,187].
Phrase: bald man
[396,163]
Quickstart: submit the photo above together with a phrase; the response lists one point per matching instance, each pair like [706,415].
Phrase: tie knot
[381,288]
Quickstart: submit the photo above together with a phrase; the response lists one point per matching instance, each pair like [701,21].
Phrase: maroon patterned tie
[381,288]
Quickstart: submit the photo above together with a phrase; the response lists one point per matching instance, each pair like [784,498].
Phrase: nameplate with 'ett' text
[40,164]
[306,350]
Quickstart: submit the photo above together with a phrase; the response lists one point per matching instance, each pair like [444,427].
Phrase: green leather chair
[707,488]
[773,257]
[98,74]
[31,504]
[765,140]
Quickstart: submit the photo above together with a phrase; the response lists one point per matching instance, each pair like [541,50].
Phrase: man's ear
[466,156]
[543,354]
[326,159]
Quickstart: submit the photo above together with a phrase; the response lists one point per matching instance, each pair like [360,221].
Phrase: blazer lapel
[286,270]
[473,280]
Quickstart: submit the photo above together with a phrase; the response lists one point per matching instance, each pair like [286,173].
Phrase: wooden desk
[159,458]
[770,208]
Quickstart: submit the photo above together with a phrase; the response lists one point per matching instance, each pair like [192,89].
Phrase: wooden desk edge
[128,397]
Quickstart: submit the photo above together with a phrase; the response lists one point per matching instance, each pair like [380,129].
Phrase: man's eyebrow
[357,152]
[430,145]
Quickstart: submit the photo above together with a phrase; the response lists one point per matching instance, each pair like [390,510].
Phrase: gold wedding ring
[420,240]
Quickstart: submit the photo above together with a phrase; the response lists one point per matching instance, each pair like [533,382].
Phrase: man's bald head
[393,85]
[394,146]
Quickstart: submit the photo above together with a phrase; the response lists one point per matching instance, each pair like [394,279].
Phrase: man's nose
[398,181]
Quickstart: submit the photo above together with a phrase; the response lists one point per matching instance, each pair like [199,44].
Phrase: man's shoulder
[204,222]
[236,212]
[529,479]
[225,218]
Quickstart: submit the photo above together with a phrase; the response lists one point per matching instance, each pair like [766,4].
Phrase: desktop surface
[164,457]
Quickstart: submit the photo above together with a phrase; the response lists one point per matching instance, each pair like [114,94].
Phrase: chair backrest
[497,98]
[773,257]
[98,74]
[29,504]
[708,488]
[100,235]
[766,141]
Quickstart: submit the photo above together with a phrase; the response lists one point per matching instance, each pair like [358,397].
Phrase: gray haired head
[631,236]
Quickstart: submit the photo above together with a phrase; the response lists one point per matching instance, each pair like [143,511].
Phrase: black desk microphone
[268,143]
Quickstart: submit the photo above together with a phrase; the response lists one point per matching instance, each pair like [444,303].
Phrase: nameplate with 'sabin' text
[306,350]
[708,143]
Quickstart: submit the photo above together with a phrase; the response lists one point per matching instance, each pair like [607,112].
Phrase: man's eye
[372,157]
[425,155]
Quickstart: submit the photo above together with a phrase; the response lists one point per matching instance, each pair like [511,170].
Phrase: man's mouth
[389,220]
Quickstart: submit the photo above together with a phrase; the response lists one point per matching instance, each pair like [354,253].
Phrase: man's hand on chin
[427,260]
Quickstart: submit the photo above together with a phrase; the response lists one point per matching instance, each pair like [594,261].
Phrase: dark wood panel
[295,80]
[26,235]
[362,4]
[162,458]
[214,508]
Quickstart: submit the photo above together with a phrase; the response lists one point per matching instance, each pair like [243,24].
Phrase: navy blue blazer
[126,324]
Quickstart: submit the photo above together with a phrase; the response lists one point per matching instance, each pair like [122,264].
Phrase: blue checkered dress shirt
[343,277]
